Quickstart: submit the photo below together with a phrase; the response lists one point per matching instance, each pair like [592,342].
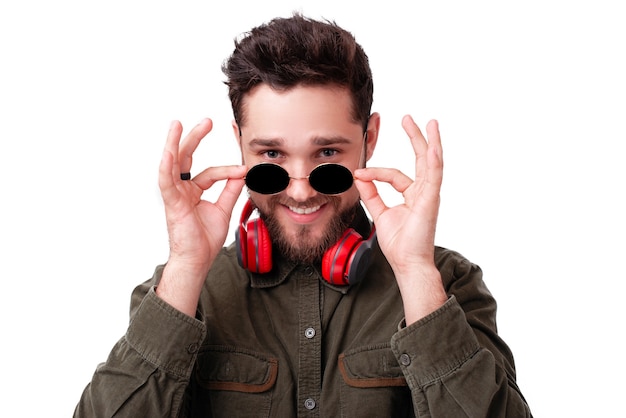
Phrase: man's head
[287,52]
[301,92]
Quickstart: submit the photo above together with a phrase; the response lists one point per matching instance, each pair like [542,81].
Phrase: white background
[530,97]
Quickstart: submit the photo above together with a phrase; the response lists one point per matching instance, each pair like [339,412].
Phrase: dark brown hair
[287,52]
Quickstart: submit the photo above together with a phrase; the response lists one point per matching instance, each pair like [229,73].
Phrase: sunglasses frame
[279,173]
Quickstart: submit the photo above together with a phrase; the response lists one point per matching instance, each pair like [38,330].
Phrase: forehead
[311,111]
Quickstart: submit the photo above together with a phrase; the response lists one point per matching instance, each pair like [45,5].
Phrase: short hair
[287,52]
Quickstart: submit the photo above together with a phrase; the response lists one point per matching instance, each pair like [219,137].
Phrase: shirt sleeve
[148,370]
[453,359]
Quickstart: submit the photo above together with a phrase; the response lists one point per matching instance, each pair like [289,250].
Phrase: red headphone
[342,264]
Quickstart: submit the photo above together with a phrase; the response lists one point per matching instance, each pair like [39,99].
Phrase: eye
[329,152]
[271,154]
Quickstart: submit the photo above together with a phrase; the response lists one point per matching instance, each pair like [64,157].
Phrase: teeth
[304,211]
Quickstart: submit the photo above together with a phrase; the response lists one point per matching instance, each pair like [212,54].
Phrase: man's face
[300,129]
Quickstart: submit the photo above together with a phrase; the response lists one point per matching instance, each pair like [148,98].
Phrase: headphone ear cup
[359,262]
[337,259]
[258,247]
[253,245]
[346,262]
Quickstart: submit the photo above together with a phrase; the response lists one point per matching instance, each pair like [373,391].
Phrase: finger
[228,198]
[172,142]
[169,158]
[418,142]
[435,150]
[191,142]
[397,179]
[434,158]
[428,154]
[370,198]
[211,175]
[166,180]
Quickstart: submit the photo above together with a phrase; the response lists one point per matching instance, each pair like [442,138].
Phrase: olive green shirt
[289,344]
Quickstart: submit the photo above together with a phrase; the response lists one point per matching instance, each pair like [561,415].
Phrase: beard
[304,246]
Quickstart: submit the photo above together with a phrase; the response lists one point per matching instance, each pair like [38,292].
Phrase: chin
[306,242]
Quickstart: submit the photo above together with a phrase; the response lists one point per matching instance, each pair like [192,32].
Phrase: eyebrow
[319,141]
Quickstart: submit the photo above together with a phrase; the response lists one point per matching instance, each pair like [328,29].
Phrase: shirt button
[192,348]
[405,359]
[309,333]
[308,271]
[309,404]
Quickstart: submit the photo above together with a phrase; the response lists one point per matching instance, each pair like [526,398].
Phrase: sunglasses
[328,178]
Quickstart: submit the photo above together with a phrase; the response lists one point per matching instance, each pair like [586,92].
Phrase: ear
[373,127]
[237,133]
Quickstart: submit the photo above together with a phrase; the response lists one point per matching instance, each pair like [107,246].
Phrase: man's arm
[148,370]
[453,359]
[196,228]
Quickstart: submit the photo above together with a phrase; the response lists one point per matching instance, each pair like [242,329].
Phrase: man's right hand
[197,228]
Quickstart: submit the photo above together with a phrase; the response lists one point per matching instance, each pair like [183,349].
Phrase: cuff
[435,346]
[164,336]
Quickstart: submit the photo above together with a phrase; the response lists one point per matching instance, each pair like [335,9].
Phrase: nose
[299,188]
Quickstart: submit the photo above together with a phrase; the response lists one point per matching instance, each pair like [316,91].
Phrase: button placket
[310,357]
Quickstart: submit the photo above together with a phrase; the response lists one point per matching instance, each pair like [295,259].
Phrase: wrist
[188,266]
[181,284]
[422,292]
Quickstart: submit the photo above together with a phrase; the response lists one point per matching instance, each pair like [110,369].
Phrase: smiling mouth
[304,211]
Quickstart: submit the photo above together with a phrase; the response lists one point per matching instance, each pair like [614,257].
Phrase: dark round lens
[267,179]
[331,178]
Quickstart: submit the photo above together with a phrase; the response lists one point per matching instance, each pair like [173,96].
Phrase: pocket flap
[371,367]
[228,368]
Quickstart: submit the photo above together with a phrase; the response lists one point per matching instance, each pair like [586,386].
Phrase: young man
[314,310]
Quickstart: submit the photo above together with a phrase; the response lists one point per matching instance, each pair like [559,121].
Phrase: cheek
[260,200]
[350,198]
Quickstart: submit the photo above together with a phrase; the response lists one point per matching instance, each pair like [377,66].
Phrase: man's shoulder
[452,263]
[443,254]
[226,265]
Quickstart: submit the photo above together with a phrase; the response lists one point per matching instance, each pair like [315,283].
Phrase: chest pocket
[373,384]
[233,379]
